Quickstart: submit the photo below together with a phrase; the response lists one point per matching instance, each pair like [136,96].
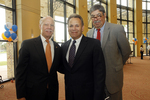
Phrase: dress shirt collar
[77,40]
[44,40]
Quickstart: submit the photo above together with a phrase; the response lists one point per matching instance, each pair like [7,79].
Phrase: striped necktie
[72,53]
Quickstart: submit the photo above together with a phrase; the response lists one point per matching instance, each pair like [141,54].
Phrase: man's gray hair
[97,7]
[76,16]
[43,18]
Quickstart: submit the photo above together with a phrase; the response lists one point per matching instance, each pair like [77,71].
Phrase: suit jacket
[86,79]
[32,74]
[116,50]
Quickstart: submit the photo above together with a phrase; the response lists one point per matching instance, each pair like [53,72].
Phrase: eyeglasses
[97,16]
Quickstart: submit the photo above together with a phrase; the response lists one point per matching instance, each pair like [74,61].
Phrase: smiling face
[75,28]
[98,18]
[47,27]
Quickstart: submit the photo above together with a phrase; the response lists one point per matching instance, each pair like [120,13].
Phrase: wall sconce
[114,16]
[32,35]
[139,20]
[84,6]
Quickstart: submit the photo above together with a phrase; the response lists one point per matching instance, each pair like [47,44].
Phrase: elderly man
[115,47]
[36,76]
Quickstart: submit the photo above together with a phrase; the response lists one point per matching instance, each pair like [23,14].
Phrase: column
[112,11]
[138,26]
[81,9]
[28,16]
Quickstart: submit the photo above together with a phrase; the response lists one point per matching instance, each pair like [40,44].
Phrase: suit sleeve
[123,44]
[99,72]
[90,33]
[87,34]
[21,71]
[61,66]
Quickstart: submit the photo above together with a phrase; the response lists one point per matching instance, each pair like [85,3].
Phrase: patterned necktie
[48,55]
[72,53]
[98,34]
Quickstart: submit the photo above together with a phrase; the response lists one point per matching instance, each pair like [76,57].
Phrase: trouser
[141,55]
[46,97]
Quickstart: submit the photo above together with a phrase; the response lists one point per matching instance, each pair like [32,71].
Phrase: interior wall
[28,16]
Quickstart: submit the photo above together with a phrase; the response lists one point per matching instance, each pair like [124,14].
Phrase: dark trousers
[46,97]
[149,52]
[141,55]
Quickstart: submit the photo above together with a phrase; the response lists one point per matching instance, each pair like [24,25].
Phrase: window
[60,10]
[125,17]
[7,49]
[146,24]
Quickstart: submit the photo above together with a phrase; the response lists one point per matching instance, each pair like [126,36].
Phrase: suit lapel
[81,48]
[105,35]
[92,33]
[66,46]
[40,50]
[55,55]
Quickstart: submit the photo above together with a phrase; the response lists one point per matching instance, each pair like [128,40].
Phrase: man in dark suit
[34,79]
[85,68]
[115,47]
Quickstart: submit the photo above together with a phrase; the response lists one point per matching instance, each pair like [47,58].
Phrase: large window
[125,17]
[60,10]
[146,24]
[90,3]
[7,48]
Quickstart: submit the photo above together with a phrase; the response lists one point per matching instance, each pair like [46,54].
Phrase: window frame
[65,4]
[13,9]
[146,23]
[127,8]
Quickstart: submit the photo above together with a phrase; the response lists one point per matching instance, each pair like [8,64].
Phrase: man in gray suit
[115,47]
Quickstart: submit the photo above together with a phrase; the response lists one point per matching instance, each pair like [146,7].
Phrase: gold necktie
[48,55]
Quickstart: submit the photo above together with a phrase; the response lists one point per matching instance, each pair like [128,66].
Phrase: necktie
[98,34]
[48,55]
[72,53]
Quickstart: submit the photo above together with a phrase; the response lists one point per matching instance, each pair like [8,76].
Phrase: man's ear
[39,26]
[105,15]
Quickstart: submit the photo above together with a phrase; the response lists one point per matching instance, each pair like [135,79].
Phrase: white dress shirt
[141,49]
[76,44]
[51,44]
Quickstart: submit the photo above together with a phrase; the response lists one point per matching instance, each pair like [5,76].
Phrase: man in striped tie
[84,65]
